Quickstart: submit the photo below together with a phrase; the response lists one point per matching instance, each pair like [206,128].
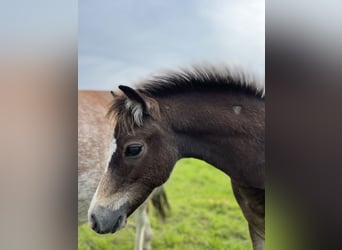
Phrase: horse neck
[210,127]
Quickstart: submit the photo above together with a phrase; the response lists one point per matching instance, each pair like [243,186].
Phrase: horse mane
[196,78]
[201,78]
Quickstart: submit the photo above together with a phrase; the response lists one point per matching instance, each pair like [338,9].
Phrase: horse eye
[133,150]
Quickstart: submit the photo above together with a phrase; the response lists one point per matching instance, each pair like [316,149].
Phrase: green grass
[204,215]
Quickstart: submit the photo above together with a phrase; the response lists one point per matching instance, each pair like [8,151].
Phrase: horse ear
[140,104]
[133,96]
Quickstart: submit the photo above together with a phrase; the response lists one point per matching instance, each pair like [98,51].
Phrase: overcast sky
[123,41]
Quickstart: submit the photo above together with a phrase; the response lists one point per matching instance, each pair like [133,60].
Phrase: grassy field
[204,215]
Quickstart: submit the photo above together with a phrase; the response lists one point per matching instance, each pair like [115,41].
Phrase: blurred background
[39,81]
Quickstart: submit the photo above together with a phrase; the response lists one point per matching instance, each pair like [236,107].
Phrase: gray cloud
[121,41]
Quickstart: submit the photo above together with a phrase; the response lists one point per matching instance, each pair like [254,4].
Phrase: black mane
[201,79]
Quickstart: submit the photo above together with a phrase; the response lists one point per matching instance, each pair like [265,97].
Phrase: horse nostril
[93,222]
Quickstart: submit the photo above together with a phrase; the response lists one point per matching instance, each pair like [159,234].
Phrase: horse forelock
[126,114]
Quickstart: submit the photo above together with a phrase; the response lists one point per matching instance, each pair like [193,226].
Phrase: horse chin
[120,224]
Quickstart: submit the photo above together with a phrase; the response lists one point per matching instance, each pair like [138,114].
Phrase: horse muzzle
[103,220]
